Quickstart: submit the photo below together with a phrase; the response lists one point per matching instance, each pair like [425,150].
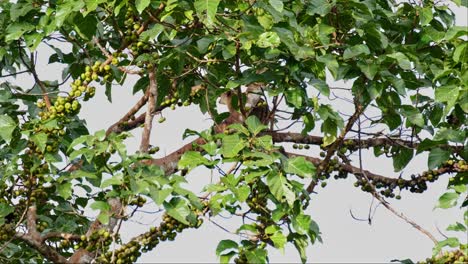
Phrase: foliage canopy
[271,62]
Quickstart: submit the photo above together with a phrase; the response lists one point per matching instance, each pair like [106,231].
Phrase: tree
[271,63]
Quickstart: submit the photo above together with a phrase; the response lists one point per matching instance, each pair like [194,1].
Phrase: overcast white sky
[345,239]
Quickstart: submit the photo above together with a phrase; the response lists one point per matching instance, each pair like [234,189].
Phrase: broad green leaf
[447,200]
[242,193]
[277,4]
[369,69]
[402,60]
[100,205]
[320,7]
[402,158]
[300,166]
[413,115]
[210,148]
[178,209]
[5,210]
[65,190]
[437,156]
[232,145]
[207,8]
[65,9]
[452,242]
[294,97]
[264,142]
[15,30]
[225,244]
[301,223]
[300,242]
[456,227]
[254,125]
[425,15]
[461,53]
[279,240]
[268,40]
[192,159]
[280,187]
[7,126]
[159,195]
[141,5]
[40,139]
[354,51]
[257,255]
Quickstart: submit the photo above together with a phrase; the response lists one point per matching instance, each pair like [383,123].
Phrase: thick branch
[153,94]
[353,143]
[332,149]
[115,127]
[34,240]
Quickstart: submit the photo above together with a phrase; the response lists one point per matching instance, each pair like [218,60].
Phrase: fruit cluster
[131,251]
[167,230]
[299,146]
[100,239]
[456,257]
[138,201]
[6,231]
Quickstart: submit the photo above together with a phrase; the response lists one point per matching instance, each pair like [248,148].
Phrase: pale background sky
[345,239]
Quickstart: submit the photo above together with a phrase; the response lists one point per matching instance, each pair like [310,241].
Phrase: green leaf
[159,195]
[5,210]
[210,148]
[402,60]
[40,139]
[301,223]
[207,8]
[402,158]
[232,145]
[277,4]
[320,7]
[7,126]
[264,142]
[242,193]
[413,115]
[354,51]
[425,15]
[192,159]
[100,205]
[257,255]
[225,244]
[447,200]
[85,26]
[65,9]
[178,209]
[65,190]
[300,166]
[16,30]
[141,5]
[451,242]
[456,227]
[300,242]
[294,97]
[437,156]
[268,40]
[279,240]
[254,125]
[280,187]
[369,69]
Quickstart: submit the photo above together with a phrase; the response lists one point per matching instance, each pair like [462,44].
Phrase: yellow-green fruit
[115,61]
[107,68]
[162,119]
[77,93]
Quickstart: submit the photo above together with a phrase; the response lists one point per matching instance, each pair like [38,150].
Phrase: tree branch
[153,95]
